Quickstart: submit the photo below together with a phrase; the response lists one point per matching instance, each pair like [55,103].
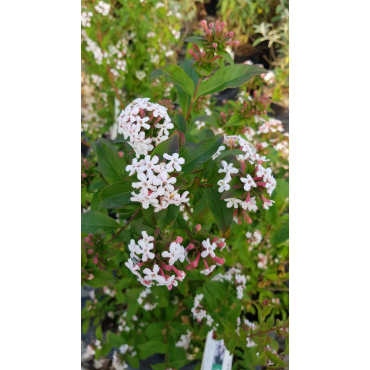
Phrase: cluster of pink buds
[96,253]
[255,107]
[216,37]
[216,40]
[87,172]
[226,116]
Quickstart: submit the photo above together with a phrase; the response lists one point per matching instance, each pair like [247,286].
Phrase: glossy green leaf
[93,221]
[169,217]
[176,75]
[229,152]
[169,146]
[228,77]
[101,278]
[226,56]
[223,215]
[234,121]
[180,122]
[196,154]
[116,195]
[111,165]
[153,346]
[196,40]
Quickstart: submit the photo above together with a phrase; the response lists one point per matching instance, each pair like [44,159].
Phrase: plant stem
[121,229]
[192,100]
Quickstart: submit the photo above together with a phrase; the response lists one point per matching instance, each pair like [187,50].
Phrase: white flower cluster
[123,323]
[142,115]
[198,313]
[254,238]
[228,169]
[126,348]
[156,274]
[184,341]
[117,364]
[97,80]
[86,18]
[147,305]
[155,182]
[263,176]
[102,8]
[93,47]
[234,276]
[199,124]
[262,261]
[273,125]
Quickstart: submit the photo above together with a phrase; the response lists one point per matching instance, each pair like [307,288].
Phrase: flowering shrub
[185,228]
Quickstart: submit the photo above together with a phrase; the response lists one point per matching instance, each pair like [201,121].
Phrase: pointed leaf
[229,76]
[93,221]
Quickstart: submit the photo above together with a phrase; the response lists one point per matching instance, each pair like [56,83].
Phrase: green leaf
[187,66]
[151,347]
[169,217]
[229,152]
[85,325]
[229,76]
[111,165]
[180,122]
[223,215]
[115,340]
[154,328]
[206,118]
[93,221]
[176,75]
[196,40]
[99,333]
[217,289]
[196,154]
[101,278]
[226,56]
[184,100]
[116,195]
[234,121]
[280,235]
[169,146]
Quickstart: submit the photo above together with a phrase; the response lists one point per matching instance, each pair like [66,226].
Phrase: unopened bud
[211,25]
[84,175]
[214,45]
[120,154]
[179,239]
[236,43]
[198,227]
[91,276]
[90,251]
[223,24]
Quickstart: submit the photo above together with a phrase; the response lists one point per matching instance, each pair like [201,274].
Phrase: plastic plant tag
[216,356]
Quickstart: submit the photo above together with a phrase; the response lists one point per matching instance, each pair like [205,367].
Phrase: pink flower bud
[179,239]
[96,260]
[236,43]
[90,251]
[203,23]
[84,175]
[120,154]
[198,227]
[211,25]
[91,236]
[214,45]
[231,34]
[217,22]
[91,276]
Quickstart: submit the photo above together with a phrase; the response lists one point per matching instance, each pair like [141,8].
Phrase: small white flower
[209,248]
[175,162]
[248,182]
